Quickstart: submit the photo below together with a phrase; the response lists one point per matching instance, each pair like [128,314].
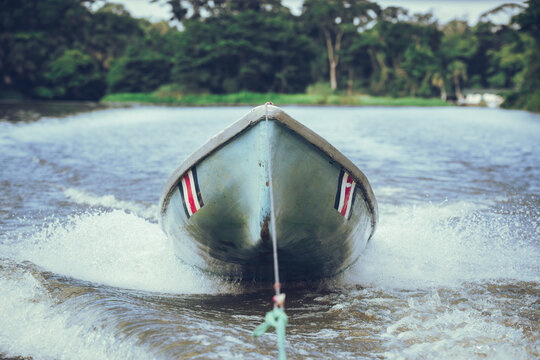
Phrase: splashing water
[112,248]
[452,271]
[110,201]
[446,245]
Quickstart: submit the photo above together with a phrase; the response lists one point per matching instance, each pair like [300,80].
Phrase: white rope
[277,284]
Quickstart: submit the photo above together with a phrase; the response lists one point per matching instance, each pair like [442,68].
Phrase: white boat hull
[216,205]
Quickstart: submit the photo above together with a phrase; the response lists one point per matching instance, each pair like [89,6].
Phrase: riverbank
[250,98]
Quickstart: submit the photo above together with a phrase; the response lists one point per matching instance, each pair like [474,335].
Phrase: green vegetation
[527,94]
[251,98]
[245,52]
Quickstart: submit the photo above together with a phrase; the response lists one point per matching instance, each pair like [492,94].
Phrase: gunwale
[247,121]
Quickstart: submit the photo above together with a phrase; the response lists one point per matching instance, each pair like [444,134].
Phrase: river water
[453,271]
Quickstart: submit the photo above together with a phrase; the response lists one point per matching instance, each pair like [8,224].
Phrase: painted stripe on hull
[191,194]
[345,194]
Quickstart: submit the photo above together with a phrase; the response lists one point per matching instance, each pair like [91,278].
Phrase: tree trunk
[458,88]
[333,80]
[374,66]
[383,67]
[443,93]
[333,58]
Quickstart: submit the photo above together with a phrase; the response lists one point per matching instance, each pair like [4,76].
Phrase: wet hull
[216,205]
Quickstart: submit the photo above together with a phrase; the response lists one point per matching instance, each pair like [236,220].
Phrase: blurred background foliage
[63,49]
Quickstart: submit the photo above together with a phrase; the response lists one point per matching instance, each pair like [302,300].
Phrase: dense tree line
[62,49]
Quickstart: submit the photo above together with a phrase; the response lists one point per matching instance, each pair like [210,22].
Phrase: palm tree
[437,80]
[458,72]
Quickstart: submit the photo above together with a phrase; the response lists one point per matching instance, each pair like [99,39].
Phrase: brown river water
[453,271]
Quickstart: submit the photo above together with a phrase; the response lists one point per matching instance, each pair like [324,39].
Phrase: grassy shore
[250,98]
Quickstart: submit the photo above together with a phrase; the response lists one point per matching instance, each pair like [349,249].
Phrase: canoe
[216,205]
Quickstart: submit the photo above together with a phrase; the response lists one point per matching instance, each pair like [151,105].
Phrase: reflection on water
[28,111]
[452,271]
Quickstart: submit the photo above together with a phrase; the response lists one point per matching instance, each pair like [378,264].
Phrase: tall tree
[249,50]
[355,58]
[186,10]
[528,95]
[61,48]
[334,18]
[109,32]
[437,80]
[147,62]
[34,34]
[458,46]
[402,49]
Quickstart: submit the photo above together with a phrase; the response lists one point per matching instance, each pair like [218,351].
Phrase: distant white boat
[216,204]
[482,99]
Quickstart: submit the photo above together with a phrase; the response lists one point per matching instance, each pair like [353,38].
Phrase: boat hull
[324,214]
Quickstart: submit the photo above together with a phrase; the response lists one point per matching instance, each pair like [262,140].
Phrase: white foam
[33,325]
[389,190]
[110,201]
[113,248]
[444,245]
[431,328]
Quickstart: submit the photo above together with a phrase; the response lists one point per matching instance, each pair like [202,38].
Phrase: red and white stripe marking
[346,194]
[191,196]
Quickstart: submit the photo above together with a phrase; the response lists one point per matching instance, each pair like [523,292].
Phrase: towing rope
[277,285]
[277,317]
